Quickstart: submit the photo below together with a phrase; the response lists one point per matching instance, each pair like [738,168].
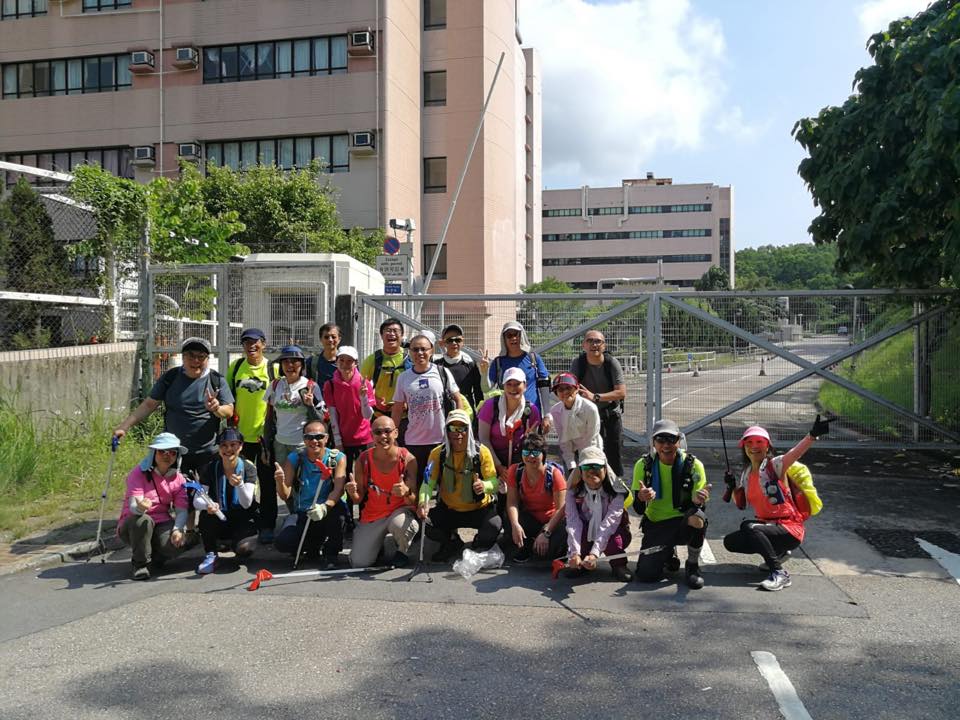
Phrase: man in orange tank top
[384,485]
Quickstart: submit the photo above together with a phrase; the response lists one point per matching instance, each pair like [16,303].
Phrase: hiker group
[419,441]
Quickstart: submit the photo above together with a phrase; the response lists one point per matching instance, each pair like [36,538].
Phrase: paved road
[861,634]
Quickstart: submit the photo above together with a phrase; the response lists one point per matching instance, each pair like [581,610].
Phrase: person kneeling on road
[670,491]
[155,490]
[536,495]
[467,479]
[313,478]
[596,519]
[781,507]
[385,488]
[229,482]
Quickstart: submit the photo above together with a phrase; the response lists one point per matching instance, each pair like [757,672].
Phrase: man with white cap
[154,510]
[195,400]
[462,472]
[670,491]
[349,399]
[516,352]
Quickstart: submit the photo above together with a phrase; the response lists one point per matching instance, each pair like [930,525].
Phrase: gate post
[653,362]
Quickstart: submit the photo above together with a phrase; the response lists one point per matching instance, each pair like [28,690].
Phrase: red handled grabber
[561,563]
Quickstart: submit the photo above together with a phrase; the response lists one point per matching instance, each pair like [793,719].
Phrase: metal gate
[883,362]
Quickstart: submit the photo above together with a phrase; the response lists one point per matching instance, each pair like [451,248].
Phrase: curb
[71,553]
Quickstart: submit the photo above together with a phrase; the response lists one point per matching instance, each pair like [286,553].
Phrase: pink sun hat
[755,431]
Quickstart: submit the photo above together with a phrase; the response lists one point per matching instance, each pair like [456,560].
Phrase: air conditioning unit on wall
[144,156]
[186,57]
[361,43]
[189,151]
[141,61]
[363,143]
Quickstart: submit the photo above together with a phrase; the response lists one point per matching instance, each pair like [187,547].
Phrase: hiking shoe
[694,578]
[141,573]
[622,573]
[673,562]
[400,560]
[522,555]
[208,564]
[777,581]
[448,550]
[266,536]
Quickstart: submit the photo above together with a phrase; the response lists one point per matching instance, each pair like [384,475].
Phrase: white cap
[349,351]
[514,373]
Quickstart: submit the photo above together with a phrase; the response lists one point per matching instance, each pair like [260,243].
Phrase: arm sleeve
[430,484]
[699,475]
[610,522]
[245,492]
[574,525]
[367,410]
[180,520]
[542,373]
[489,471]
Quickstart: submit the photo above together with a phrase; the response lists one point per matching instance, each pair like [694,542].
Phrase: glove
[318,512]
[731,482]
[820,428]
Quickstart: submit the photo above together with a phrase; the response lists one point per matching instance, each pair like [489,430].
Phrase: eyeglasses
[531,453]
[594,341]
[457,429]
[666,439]
[171,451]
[315,436]
[458,340]
[511,334]
[392,331]
[383,431]
[591,468]
[419,350]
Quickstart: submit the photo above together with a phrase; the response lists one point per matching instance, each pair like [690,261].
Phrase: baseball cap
[665,427]
[564,379]
[452,327]
[514,373]
[229,434]
[195,343]
[754,431]
[591,456]
[349,351]
[253,334]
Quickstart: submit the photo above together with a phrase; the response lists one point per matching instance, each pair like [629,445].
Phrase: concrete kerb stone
[49,558]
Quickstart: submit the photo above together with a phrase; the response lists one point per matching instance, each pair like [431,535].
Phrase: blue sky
[698,90]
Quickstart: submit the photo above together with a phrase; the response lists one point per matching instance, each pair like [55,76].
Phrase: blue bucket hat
[163,441]
[290,352]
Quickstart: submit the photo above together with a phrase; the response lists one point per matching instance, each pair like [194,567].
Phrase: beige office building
[387,92]
[611,235]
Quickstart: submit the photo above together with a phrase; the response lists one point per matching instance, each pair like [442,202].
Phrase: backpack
[682,491]
[443,463]
[270,422]
[541,382]
[579,369]
[802,490]
[403,456]
[214,381]
[449,402]
[378,366]
[548,476]
[235,368]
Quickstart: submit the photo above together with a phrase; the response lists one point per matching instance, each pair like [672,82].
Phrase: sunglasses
[594,341]
[457,429]
[458,340]
[592,467]
[531,453]
[172,451]
[511,334]
[315,436]
[666,439]
[383,431]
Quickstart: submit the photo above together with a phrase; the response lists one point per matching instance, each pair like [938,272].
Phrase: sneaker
[141,573]
[266,536]
[522,555]
[777,581]
[673,562]
[400,560]
[622,573]
[208,564]
[694,578]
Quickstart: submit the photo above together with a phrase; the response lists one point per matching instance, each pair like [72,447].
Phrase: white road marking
[670,401]
[783,691]
[700,390]
[950,561]
[706,554]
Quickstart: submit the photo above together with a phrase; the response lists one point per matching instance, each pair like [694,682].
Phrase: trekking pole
[728,490]
[423,534]
[561,563]
[99,545]
[306,525]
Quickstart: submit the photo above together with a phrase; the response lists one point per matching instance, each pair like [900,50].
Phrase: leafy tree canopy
[715,278]
[549,285]
[884,167]
[789,267]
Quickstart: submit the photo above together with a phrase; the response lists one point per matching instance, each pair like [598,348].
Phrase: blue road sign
[392,289]
[391,246]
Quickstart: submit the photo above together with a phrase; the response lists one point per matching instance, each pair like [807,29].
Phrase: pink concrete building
[596,234]
[386,92]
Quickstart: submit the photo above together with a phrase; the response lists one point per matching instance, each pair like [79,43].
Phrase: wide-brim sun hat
[167,441]
[754,431]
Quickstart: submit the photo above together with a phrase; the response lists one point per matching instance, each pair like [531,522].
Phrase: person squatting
[395,436]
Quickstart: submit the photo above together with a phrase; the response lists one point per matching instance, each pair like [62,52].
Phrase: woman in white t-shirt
[292,401]
[420,391]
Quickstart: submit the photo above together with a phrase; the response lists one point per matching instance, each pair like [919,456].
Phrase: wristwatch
[546,533]
[596,397]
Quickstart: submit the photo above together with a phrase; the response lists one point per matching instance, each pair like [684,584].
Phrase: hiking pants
[669,532]
[368,537]
[326,534]
[445,522]
[148,538]
[768,539]
[532,527]
[238,528]
[265,508]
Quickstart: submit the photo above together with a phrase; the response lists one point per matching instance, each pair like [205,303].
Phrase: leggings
[768,539]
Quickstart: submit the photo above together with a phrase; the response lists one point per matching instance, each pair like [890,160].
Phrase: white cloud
[623,80]
[876,15]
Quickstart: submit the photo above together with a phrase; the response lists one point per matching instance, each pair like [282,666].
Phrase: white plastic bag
[472,562]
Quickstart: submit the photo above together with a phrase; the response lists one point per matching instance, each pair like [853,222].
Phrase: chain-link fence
[882,362]
[51,296]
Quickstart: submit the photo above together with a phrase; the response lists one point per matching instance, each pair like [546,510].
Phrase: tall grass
[54,473]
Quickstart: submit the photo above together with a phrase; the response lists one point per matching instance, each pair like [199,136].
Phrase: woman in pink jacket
[349,399]
[154,510]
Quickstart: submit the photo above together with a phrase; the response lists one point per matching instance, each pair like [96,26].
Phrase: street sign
[392,289]
[394,267]
[391,246]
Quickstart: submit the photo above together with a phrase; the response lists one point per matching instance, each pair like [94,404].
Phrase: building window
[627,235]
[627,260]
[286,153]
[435,88]
[435,175]
[648,209]
[434,14]
[115,160]
[440,271]
[102,73]
[605,211]
[98,5]
[725,246]
[280,59]
[12,9]
[563,212]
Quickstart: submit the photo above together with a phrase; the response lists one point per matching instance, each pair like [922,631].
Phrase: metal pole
[652,364]
[917,372]
[463,175]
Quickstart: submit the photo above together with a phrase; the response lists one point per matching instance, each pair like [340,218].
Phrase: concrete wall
[70,382]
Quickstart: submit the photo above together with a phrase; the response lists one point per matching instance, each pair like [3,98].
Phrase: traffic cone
[696,373]
[763,370]
[669,368]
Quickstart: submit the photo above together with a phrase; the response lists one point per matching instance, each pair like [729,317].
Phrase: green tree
[715,278]
[802,266]
[6,223]
[883,167]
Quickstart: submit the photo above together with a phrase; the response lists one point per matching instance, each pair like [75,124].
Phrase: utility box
[291,295]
